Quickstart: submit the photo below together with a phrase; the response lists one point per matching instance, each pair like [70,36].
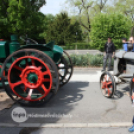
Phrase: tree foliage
[115,26]
[21,17]
[87,9]
[62,31]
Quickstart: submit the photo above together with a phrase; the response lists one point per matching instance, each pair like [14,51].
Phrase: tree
[62,31]
[125,7]
[22,16]
[87,9]
[103,25]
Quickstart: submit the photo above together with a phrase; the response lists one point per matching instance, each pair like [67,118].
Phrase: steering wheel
[28,40]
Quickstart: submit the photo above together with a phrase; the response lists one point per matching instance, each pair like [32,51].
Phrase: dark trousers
[107,57]
[133,120]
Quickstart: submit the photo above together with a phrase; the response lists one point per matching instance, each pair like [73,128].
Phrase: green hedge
[87,60]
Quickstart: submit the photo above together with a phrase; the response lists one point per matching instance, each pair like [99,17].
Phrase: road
[79,103]
[83,52]
[64,131]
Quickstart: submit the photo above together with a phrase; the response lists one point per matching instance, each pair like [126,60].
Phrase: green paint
[53,51]
[3,49]
[32,78]
[14,45]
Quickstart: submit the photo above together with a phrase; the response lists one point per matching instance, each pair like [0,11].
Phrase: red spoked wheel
[32,79]
[107,84]
[32,76]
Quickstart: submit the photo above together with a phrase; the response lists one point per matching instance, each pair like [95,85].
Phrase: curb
[68,125]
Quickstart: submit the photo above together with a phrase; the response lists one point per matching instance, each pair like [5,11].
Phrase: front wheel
[107,85]
[132,90]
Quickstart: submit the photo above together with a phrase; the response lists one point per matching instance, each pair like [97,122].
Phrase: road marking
[69,125]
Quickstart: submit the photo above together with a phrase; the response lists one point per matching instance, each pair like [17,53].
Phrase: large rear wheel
[31,76]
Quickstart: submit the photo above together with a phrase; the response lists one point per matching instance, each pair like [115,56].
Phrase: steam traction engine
[32,73]
[123,72]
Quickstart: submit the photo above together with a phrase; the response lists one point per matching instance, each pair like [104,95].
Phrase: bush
[103,26]
[87,60]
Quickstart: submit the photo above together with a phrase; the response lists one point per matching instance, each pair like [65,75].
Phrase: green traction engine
[33,73]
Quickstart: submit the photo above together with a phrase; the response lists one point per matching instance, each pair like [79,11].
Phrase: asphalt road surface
[63,131]
[80,101]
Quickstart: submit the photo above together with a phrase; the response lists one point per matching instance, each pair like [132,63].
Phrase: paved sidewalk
[64,130]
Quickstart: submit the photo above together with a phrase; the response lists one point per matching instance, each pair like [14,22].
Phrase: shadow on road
[61,104]
[70,93]
[121,90]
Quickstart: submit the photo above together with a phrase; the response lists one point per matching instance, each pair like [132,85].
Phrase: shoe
[131,129]
[103,70]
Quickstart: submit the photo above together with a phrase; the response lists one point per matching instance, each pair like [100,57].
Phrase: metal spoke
[18,68]
[17,84]
[46,73]
[40,67]
[40,91]
[44,88]
[46,80]
[109,83]
[33,62]
[25,89]
[29,94]
[109,91]
[26,62]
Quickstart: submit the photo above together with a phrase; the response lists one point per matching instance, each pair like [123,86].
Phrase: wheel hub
[32,77]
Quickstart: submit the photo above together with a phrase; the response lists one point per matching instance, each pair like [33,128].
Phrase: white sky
[53,7]
[56,6]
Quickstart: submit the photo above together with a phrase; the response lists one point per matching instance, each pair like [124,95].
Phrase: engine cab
[124,63]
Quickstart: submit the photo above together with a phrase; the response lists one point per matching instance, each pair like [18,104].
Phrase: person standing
[109,54]
[131,40]
[132,43]
[124,41]
[131,129]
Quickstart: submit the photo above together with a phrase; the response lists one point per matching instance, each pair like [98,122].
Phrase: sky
[56,6]
[53,7]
